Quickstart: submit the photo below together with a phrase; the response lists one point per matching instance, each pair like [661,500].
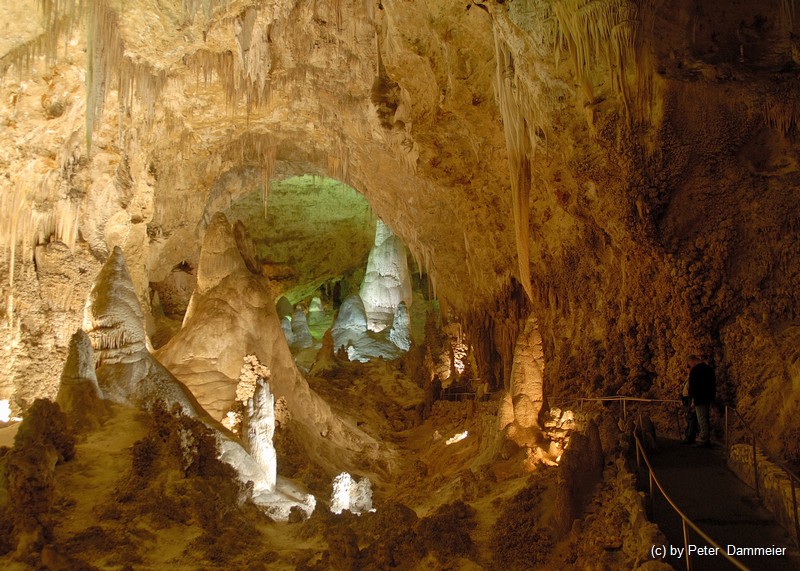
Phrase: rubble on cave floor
[125,500]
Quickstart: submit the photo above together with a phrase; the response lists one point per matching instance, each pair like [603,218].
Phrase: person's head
[692,360]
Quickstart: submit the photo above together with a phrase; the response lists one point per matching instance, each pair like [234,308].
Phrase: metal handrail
[654,483]
[618,398]
[794,479]
[640,454]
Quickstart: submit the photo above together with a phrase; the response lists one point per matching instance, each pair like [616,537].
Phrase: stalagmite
[522,404]
[387,281]
[351,322]
[129,374]
[79,394]
[351,495]
[260,430]
[400,333]
[301,334]
[284,308]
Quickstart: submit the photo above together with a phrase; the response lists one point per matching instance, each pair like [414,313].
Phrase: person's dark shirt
[702,384]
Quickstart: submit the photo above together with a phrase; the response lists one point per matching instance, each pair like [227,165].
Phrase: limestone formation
[261,429]
[301,334]
[79,394]
[288,332]
[522,405]
[350,323]
[387,281]
[400,333]
[351,495]
[232,316]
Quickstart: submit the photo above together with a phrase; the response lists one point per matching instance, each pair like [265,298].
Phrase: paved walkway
[725,508]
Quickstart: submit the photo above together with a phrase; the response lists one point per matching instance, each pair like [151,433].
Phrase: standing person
[703,390]
[689,414]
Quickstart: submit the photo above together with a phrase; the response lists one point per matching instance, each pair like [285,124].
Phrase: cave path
[725,508]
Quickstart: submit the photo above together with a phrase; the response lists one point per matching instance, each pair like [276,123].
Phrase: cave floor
[700,483]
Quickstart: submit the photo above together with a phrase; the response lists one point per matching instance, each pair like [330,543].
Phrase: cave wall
[624,170]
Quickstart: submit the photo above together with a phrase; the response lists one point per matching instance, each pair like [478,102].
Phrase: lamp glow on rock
[356,497]
[387,281]
[5,411]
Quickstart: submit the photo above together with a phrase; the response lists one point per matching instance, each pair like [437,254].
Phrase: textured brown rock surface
[630,165]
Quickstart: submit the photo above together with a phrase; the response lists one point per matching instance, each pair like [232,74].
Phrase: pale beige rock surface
[631,166]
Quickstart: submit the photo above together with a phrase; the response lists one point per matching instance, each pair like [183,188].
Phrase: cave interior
[318,284]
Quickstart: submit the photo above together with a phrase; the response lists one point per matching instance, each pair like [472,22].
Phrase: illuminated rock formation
[351,322]
[261,429]
[387,281]
[523,403]
[232,315]
[301,334]
[129,374]
[351,495]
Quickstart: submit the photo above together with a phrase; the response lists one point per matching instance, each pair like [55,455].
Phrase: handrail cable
[641,454]
[684,518]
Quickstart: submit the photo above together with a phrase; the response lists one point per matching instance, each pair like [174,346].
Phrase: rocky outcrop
[79,394]
[232,315]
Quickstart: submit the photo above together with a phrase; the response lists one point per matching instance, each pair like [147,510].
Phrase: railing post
[755,466]
[652,498]
[686,545]
[794,511]
[624,411]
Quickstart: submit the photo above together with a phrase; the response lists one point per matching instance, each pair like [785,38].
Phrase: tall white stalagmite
[261,429]
[387,281]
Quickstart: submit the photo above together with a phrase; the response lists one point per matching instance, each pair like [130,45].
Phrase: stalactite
[59,18]
[339,163]
[608,31]
[521,118]
[105,53]
[27,223]
[270,156]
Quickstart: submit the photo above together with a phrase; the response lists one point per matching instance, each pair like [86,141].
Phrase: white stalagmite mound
[387,281]
[351,322]
[130,375]
[351,495]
